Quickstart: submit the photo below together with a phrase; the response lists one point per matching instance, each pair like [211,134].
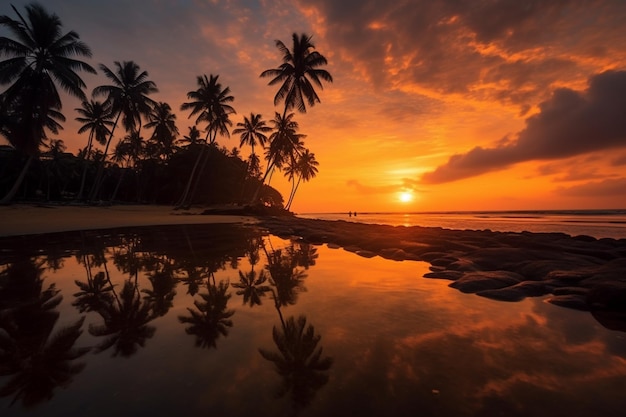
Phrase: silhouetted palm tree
[193,138]
[252,131]
[39,57]
[297,74]
[211,103]
[305,168]
[128,97]
[298,361]
[97,119]
[163,121]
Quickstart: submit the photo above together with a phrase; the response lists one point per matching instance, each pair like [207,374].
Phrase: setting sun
[405,196]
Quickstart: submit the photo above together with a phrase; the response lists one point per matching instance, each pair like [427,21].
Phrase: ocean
[596,223]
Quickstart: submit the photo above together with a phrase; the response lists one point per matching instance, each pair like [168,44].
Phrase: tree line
[151,163]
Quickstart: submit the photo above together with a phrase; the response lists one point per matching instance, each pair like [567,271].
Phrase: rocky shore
[578,272]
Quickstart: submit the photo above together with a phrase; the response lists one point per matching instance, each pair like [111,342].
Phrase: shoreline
[579,272]
[22,219]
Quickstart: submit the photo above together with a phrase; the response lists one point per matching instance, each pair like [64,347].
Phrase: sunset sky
[458,104]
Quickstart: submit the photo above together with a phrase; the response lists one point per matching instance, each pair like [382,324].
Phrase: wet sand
[30,219]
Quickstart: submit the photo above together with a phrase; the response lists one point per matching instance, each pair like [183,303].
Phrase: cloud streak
[569,123]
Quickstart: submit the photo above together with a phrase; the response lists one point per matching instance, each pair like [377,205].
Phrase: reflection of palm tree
[298,361]
[36,360]
[212,318]
[94,294]
[161,296]
[287,280]
[125,323]
[251,287]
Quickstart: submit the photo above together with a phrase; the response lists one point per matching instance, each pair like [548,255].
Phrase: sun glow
[405,196]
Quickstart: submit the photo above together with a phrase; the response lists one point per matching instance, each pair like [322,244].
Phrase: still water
[227,320]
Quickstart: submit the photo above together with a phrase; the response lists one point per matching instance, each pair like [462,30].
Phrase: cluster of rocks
[578,272]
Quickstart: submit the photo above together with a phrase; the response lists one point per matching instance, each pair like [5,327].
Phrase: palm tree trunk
[117,187]
[293,194]
[183,198]
[86,162]
[200,173]
[95,189]
[18,182]
[255,197]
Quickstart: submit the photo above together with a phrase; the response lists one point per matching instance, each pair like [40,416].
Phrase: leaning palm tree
[39,58]
[285,145]
[305,169]
[96,118]
[298,73]
[211,105]
[128,96]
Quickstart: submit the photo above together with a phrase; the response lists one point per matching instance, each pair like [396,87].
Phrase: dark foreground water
[224,320]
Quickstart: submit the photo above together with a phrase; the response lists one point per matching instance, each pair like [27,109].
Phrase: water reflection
[298,362]
[198,317]
[34,359]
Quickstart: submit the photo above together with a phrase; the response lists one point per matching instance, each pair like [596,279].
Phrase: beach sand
[30,219]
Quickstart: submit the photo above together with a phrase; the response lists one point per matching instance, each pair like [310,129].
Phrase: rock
[486,280]
[365,253]
[575,301]
[451,275]
[517,292]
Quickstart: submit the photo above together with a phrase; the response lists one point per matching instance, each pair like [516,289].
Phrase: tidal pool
[228,320]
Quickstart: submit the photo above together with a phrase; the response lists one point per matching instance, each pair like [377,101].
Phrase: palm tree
[193,138]
[297,74]
[306,169]
[128,97]
[252,131]
[163,121]
[285,145]
[39,58]
[211,103]
[96,118]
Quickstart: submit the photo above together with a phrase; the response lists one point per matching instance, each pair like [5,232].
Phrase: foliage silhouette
[298,362]
[39,57]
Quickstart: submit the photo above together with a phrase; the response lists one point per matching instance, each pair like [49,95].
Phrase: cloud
[607,188]
[512,51]
[569,123]
[406,184]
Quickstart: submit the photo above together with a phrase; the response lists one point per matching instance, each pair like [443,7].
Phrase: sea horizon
[598,223]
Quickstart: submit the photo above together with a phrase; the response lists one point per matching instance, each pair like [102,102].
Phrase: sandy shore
[28,219]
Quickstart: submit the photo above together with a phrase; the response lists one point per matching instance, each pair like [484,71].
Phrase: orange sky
[467,105]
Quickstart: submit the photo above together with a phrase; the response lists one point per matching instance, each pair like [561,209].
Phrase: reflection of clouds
[529,365]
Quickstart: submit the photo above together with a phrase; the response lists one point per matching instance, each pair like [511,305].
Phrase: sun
[405,196]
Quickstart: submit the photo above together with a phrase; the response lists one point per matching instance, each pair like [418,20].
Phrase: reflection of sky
[401,344]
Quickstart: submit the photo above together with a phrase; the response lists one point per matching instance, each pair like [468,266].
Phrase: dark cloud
[607,188]
[569,123]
